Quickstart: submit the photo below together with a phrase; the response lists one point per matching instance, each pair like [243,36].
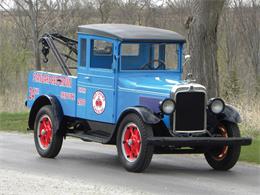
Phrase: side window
[101,54]
[130,50]
[83,49]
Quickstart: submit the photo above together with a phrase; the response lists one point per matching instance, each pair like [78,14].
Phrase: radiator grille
[190,111]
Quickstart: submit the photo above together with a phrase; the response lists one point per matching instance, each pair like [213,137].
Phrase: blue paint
[152,103]
[119,82]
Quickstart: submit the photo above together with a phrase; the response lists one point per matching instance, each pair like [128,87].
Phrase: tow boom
[49,40]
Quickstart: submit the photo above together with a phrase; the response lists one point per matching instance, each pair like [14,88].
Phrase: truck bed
[62,86]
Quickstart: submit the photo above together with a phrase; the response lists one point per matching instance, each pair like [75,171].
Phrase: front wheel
[224,158]
[47,143]
[133,151]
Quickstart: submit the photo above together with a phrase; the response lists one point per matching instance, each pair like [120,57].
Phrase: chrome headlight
[216,105]
[167,106]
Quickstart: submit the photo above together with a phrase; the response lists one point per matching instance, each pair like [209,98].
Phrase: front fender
[145,113]
[230,114]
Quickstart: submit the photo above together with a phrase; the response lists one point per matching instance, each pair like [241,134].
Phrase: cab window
[101,54]
[83,49]
[149,56]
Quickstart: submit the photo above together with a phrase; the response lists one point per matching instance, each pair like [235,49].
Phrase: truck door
[99,80]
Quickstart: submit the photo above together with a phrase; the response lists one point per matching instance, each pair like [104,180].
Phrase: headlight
[167,106]
[216,105]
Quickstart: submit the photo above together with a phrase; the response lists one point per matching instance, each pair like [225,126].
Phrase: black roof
[127,32]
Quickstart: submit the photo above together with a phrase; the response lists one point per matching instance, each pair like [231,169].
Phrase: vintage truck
[128,91]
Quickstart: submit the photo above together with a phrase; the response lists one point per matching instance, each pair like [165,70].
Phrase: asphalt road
[80,163]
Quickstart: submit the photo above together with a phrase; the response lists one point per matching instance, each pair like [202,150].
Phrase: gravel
[20,183]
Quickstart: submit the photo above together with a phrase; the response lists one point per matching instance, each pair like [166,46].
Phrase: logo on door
[99,102]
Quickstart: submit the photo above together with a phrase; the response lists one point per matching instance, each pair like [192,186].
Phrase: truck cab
[124,71]
[128,91]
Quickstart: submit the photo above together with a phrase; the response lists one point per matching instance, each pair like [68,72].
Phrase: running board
[89,137]
[198,141]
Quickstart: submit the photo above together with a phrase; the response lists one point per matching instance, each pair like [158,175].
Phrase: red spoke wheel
[224,158]
[133,151]
[221,153]
[131,142]
[45,132]
[47,141]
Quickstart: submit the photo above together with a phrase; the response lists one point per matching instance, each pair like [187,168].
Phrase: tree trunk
[202,37]
[35,34]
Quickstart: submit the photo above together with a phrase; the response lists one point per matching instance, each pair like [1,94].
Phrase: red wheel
[47,141]
[45,132]
[131,142]
[133,150]
[224,158]
[222,152]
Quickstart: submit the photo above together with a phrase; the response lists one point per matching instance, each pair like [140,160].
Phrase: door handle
[87,78]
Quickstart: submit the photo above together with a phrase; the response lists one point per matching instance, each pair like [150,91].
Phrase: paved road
[80,164]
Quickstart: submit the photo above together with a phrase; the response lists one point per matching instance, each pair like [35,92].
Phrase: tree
[104,8]
[248,26]
[202,37]
[37,12]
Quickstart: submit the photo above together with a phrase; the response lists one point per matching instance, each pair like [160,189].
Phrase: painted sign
[52,79]
[99,102]
[33,91]
[67,96]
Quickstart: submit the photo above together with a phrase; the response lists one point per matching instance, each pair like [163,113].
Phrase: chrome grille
[190,114]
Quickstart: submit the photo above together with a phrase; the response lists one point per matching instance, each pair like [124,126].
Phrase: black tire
[54,146]
[231,155]
[144,157]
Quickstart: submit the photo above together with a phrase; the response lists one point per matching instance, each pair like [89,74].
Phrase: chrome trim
[188,87]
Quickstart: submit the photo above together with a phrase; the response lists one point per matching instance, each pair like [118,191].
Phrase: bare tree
[249,28]
[104,8]
[203,46]
[38,13]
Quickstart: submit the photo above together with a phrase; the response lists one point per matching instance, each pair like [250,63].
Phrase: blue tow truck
[128,91]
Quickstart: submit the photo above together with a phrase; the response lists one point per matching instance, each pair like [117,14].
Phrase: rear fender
[57,111]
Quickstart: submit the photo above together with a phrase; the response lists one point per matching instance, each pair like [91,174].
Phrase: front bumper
[198,141]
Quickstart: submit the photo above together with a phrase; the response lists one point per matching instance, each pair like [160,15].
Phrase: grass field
[14,121]
[18,122]
[251,153]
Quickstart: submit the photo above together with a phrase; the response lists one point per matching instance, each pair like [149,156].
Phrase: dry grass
[13,102]
[250,113]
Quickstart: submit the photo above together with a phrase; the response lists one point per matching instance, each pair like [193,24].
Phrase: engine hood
[154,83]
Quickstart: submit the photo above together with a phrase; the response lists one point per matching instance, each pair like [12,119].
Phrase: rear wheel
[133,151]
[224,158]
[47,143]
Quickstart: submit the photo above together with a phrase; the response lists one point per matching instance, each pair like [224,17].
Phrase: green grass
[14,122]
[251,153]
[18,122]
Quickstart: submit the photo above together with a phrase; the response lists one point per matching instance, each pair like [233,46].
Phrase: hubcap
[222,152]
[131,142]
[44,132]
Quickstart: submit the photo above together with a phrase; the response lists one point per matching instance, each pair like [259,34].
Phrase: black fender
[42,101]
[230,114]
[146,114]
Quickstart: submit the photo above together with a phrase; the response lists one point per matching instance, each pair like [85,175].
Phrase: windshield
[149,56]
